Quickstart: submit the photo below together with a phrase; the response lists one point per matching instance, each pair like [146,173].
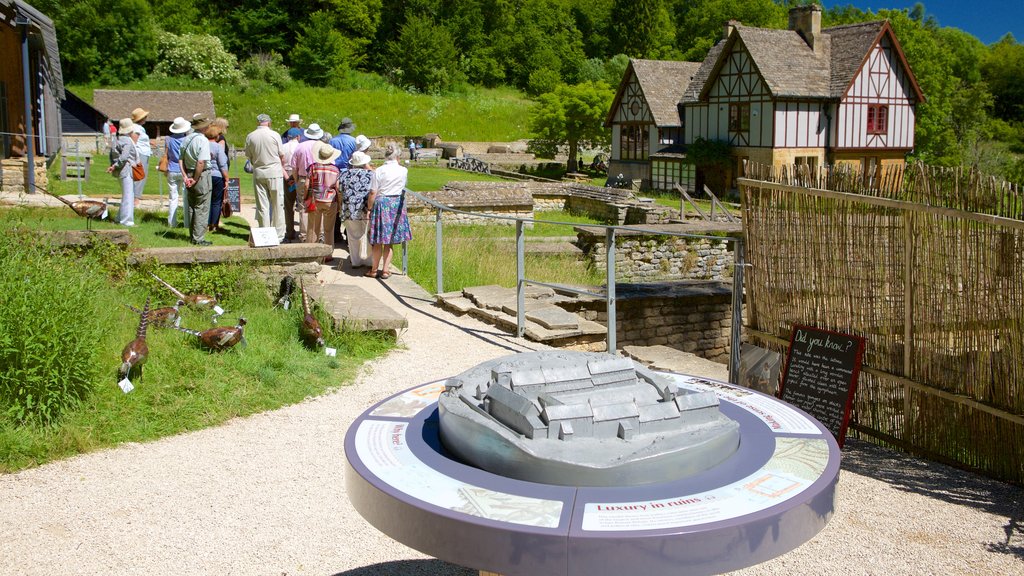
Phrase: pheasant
[135,353]
[284,295]
[196,300]
[88,209]
[219,338]
[312,333]
[163,316]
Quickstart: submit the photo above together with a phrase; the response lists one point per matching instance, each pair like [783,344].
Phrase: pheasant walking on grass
[88,209]
[164,316]
[135,353]
[194,300]
[312,333]
[220,338]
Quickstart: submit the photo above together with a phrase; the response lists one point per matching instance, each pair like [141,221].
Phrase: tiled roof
[692,92]
[163,105]
[850,45]
[788,65]
[663,83]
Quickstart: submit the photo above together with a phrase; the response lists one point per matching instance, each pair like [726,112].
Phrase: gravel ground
[265,494]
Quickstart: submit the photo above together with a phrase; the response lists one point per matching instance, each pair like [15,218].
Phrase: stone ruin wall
[14,174]
[698,323]
[646,258]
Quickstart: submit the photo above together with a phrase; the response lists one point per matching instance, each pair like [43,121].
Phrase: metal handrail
[609,293]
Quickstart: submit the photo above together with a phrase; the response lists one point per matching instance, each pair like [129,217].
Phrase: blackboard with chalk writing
[234,192]
[821,375]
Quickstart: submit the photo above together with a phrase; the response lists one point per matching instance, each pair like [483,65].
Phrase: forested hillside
[974,113]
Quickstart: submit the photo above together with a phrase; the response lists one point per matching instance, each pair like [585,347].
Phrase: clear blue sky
[988,20]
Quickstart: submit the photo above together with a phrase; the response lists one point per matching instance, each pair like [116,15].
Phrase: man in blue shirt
[344,142]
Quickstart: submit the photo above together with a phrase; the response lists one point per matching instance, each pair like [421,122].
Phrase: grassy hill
[479,114]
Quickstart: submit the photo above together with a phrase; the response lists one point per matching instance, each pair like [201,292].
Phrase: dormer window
[739,117]
[878,118]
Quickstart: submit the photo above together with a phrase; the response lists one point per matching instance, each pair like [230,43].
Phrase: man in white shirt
[195,169]
[265,152]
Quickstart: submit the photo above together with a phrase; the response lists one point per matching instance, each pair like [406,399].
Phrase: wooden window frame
[878,119]
[739,117]
[633,142]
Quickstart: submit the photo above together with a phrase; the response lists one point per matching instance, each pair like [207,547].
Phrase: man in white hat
[175,180]
[144,149]
[263,149]
[294,129]
[301,159]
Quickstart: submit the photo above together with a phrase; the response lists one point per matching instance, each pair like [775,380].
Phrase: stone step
[455,302]
[672,360]
[298,252]
[353,308]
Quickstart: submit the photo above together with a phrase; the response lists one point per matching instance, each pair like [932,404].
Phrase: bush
[198,56]
[542,81]
[267,68]
[50,323]
[425,56]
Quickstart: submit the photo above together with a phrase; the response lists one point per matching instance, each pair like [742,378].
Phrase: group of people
[195,161]
[327,180]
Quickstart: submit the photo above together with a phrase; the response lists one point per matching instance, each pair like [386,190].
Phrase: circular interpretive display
[773,493]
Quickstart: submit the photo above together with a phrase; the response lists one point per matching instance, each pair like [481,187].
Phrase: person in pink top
[301,159]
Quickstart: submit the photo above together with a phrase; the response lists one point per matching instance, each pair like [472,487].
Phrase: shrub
[50,323]
[542,81]
[198,56]
[268,68]
[425,56]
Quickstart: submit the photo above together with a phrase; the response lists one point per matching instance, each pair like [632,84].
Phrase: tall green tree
[699,23]
[321,55]
[1003,70]
[424,56]
[640,28]
[571,116]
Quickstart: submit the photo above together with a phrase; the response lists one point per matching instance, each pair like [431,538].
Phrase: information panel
[821,375]
[234,193]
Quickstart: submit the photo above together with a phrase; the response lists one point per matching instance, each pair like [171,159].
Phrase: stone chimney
[729,27]
[806,21]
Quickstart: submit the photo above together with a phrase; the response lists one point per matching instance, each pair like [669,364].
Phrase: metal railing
[609,293]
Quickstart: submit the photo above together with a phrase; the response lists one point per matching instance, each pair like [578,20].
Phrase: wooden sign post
[821,374]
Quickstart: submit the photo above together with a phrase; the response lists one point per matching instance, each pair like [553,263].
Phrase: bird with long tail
[88,209]
[135,353]
[164,316]
[219,338]
[312,333]
[194,300]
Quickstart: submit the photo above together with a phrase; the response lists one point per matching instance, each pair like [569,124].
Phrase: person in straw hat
[322,195]
[127,158]
[195,167]
[355,184]
[139,117]
[175,181]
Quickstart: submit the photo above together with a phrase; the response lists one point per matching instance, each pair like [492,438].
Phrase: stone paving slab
[553,318]
[298,252]
[353,308]
[455,302]
[672,360]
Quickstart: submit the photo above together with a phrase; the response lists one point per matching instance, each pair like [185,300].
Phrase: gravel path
[265,494]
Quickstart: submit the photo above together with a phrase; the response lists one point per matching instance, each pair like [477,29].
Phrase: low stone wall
[646,257]
[692,316]
[14,174]
[511,200]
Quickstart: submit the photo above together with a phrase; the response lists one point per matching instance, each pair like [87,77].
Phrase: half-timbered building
[803,96]
[646,123]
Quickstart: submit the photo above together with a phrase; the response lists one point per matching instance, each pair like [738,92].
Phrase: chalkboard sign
[235,193]
[821,375]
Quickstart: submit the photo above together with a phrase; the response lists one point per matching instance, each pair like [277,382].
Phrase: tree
[321,54]
[640,28]
[1003,70]
[699,23]
[196,56]
[571,116]
[425,56]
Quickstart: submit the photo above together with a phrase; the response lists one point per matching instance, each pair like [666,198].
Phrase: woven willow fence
[924,263]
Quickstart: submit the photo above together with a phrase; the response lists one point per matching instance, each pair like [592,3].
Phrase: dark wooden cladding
[925,264]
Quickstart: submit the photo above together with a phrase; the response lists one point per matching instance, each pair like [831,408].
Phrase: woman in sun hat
[322,195]
[175,184]
[389,222]
[362,143]
[355,184]
[139,117]
[127,158]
